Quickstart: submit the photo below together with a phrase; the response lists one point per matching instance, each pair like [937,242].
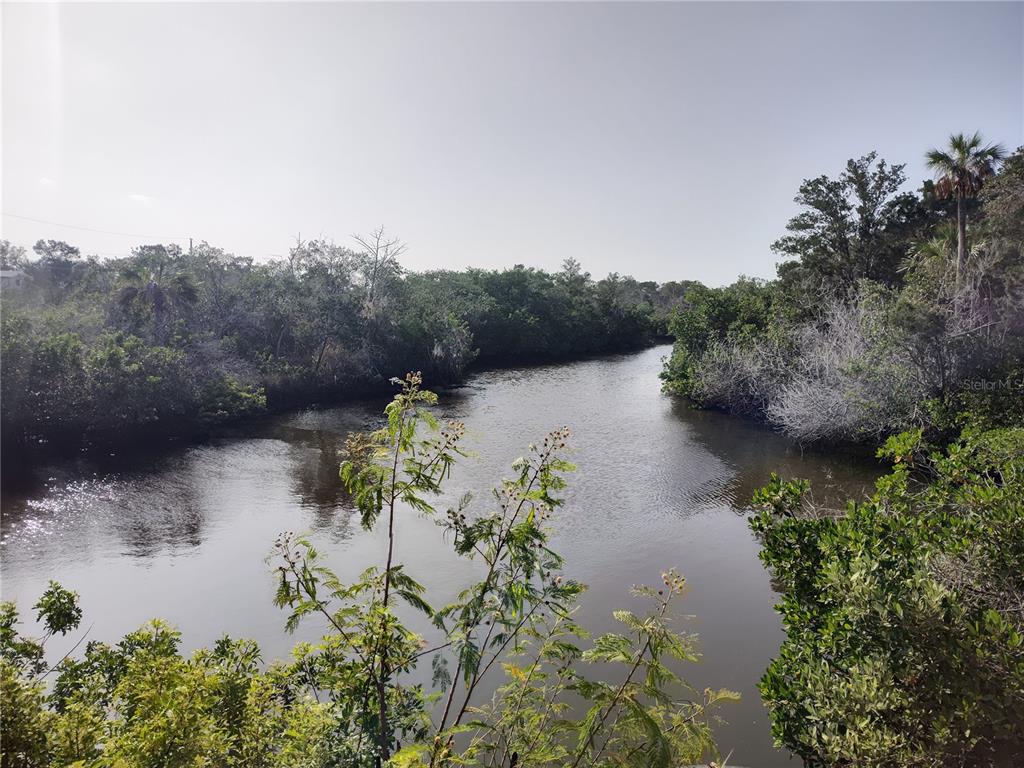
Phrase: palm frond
[127,295]
[939,161]
[184,289]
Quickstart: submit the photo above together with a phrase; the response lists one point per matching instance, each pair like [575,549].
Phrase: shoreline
[153,441]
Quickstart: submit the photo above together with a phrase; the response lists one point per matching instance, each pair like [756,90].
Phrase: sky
[662,140]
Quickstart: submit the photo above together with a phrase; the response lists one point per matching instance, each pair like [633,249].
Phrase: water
[184,535]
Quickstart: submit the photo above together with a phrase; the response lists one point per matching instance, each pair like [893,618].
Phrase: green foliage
[352,698]
[140,704]
[26,721]
[709,316]
[58,610]
[902,615]
[227,398]
[132,384]
[629,721]
[851,228]
[784,498]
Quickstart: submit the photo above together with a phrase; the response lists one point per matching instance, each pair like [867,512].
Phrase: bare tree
[379,263]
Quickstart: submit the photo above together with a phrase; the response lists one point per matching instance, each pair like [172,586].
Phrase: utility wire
[111,232]
[90,229]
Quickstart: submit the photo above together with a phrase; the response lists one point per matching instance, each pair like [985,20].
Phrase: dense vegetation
[173,341]
[893,310]
[353,699]
[904,613]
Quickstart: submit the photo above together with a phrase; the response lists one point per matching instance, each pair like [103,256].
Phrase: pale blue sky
[662,140]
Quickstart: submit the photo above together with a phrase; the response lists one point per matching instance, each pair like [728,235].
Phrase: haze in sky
[666,141]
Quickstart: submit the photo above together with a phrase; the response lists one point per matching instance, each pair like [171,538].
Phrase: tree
[158,293]
[328,296]
[904,631]
[851,227]
[11,256]
[56,267]
[56,250]
[221,274]
[379,265]
[573,274]
[1003,200]
[710,317]
[961,170]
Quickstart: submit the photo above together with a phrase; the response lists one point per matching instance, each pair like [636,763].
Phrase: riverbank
[153,438]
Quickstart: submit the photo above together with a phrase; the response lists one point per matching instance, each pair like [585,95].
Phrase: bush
[716,319]
[903,616]
[225,399]
[132,384]
[740,377]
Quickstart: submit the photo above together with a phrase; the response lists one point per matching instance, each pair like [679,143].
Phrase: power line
[111,232]
[90,229]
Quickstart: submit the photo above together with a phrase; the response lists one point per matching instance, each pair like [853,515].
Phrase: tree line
[172,341]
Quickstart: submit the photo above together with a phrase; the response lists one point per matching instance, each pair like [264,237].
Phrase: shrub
[851,378]
[133,385]
[225,398]
[742,377]
[903,616]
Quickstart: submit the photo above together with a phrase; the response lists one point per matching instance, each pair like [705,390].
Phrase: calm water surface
[185,535]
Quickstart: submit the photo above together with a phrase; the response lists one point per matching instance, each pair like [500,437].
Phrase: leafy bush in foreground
[904,615]
[352,699]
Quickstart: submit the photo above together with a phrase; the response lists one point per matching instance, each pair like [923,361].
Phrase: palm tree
[961,170]
[933,253]
[158,293]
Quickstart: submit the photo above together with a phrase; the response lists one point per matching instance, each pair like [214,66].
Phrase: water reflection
[314,473]
[168,518]
[313,467]
[754,452]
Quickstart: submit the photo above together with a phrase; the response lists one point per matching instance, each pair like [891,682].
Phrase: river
[184,534]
